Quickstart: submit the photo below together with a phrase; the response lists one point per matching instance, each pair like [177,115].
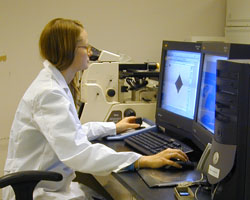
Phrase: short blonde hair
[58,41]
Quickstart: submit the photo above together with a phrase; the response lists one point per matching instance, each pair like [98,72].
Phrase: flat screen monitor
[204,122]
[180,82]
[177,94]
[206,106]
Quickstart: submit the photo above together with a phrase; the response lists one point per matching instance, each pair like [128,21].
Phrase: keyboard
[151,142]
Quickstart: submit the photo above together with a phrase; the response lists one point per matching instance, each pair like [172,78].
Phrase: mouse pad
[167,177]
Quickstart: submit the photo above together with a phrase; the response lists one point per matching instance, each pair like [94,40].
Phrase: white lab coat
[46,134]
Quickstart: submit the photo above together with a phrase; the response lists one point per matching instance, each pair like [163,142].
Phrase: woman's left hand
[126,123]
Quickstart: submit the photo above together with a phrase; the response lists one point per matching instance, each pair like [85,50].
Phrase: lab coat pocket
[67,173]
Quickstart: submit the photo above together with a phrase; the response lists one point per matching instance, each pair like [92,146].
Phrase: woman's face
[81,59]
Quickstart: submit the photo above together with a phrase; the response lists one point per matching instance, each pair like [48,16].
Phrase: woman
[46,133]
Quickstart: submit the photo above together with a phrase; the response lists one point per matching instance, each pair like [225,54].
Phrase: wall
[237,28]
[132,27]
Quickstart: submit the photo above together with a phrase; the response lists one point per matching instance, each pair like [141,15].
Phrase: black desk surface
[134,183]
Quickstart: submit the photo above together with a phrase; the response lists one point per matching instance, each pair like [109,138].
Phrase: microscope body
[109,96]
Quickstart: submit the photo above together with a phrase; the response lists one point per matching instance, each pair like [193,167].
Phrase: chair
[24,182]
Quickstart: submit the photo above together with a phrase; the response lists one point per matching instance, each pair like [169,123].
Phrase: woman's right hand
[161,159]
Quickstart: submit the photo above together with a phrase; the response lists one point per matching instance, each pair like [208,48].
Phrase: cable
[200,184]
[191,183]
[196,191]
[213,193]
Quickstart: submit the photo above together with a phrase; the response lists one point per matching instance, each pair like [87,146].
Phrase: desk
[134,183]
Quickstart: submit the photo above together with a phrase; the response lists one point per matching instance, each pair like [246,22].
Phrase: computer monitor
[206,105]
[204,123]
[177,93]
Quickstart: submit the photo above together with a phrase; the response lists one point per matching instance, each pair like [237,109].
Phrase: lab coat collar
[59,78]
[57,74]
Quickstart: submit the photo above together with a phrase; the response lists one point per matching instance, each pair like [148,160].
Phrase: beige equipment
[111,90]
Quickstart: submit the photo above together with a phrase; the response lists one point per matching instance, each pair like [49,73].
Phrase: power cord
[196,191]
[191,183]
[202,183]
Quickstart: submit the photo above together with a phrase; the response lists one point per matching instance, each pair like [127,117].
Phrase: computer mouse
[140,127]
[188,164]
[138,120]
[185,165]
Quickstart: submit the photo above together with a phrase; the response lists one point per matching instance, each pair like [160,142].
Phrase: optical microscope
[111,90]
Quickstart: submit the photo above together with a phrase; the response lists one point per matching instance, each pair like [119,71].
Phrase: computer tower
[229,158]
[247,185]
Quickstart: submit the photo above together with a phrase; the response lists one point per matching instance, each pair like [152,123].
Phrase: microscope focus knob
[111,92]
[129,112]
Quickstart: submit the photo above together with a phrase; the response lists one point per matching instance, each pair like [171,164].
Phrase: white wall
[132,27]
[237,28]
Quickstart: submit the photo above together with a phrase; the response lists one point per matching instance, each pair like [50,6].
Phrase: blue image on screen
[180,81]
[206,109]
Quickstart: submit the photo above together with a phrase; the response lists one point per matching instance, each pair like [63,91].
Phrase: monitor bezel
[202,135]
[179,125]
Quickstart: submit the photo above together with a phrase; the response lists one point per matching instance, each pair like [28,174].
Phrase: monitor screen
[206,107]
[179,82]
[177,94]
